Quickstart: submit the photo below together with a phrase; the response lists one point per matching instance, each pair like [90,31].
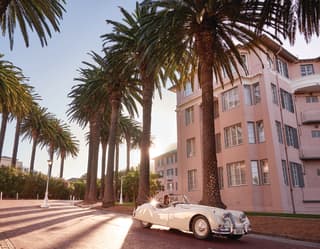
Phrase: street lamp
[121,200]
[45,201]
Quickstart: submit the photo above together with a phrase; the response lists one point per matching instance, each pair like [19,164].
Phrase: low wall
[295,228]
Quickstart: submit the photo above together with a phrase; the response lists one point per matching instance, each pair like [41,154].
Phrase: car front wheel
[145,224]
[200,227]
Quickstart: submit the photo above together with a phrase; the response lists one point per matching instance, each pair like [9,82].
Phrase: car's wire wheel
[200,227]
[145,224]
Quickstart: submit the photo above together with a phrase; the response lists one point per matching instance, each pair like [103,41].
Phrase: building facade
[267,128]
[166,166]
[6,162]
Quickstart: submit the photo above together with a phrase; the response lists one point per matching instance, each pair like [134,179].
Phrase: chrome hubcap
[201,227]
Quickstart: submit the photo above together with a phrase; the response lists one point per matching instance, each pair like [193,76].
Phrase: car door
[161,215]
[179,217]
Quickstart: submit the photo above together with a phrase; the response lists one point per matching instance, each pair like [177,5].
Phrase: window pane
[265,171]
[274,94]
[255,173]
[279,132]
[230,99]
[284,171]
[251,133]
[260,131]
[188,89]
[306,69]
[256,93]
[247,95]
[236,173]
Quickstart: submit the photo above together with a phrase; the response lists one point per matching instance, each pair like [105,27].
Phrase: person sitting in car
[166,202]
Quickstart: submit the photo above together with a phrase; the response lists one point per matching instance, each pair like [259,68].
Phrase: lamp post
[45,201]
[121,200]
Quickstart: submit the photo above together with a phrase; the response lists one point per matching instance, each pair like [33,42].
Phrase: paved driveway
[24,225]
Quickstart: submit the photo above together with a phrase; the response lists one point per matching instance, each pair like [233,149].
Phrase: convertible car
[201,220]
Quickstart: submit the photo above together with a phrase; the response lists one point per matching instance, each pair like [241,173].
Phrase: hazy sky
[51,71]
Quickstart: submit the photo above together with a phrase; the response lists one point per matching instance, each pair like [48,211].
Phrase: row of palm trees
[179,40]
[166,39]
[19,102]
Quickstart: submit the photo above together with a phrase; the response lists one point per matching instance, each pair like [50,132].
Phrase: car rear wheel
[200,227]
[145,224]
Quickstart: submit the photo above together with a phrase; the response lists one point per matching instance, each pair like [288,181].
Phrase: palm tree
[23,110]
[68,146]
[131,131]
[14,96]
[130,44]
[38,15]
[89,104]
[32,127]
[202,37]
[124,90]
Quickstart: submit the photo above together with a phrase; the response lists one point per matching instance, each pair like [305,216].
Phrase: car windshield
[179,198]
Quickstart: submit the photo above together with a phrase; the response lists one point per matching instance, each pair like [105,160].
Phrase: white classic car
[199,219]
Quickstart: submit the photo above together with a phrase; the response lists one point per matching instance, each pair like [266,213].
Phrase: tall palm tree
[129,42]
[124,90]
[68,146]
[38,15]
[33,126]
[202,37]
[89,103]
[131,131]
[23,110]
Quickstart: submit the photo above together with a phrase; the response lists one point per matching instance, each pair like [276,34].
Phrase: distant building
[267,135]
[166,166]
[6,162]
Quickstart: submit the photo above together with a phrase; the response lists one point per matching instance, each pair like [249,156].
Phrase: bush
[31,186]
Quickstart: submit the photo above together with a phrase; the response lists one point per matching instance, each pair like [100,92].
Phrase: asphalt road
[24,225]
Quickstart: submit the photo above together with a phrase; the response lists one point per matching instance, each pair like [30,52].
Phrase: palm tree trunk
[91,189]
[103,168]
[33,153]
[63,155]
[116,173]
[144,182]
[210,185]
[4,122]
[16,143]
[108,199]
[128,142]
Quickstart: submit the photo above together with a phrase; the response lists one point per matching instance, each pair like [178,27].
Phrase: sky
[51,71]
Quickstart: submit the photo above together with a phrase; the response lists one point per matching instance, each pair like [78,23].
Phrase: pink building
[166,166]
[267,135]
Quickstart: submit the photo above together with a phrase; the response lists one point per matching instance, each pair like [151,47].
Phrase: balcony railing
[310,117]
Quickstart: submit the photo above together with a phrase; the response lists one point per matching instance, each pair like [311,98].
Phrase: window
[265,175]
[230,99]
[233,135]
[251,133]
[260,172]
[315,133]
[255,173]
[279,132]
[282,68]
[256,93]
[170,186]
[284,172]
[247,95]
[292,136]
[169,172]
[188,89]
[297,174]
[220,177]
[190,147]
[192,179]
[312,99]
[286,100]
[274,94]
[216,108]
[218,142]
[176,172]
[161,173]
[176,186]
[189,116]
[306,69]
[244,60]
[260,132]
[236,173]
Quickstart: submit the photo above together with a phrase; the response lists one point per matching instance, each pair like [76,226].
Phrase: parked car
[201,220]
